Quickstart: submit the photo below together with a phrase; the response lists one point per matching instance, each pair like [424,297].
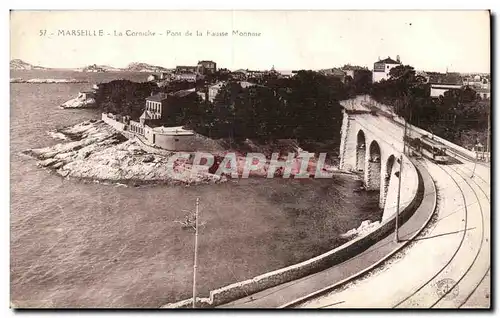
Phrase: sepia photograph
[247,159]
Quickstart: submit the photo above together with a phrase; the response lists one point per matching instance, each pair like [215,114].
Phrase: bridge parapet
[373,145]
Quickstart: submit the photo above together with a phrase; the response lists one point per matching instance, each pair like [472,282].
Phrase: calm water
[77,244]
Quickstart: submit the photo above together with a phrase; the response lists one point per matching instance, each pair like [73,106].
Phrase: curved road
[447,266]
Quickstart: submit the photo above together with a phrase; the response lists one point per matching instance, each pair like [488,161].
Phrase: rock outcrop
[366,227]
[81,101]
[48,81]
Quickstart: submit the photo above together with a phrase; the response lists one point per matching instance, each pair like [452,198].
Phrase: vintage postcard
[250,159]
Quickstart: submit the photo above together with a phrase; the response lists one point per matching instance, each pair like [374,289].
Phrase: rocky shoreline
[93,151]
[48,81]
[96,152]
[80,101]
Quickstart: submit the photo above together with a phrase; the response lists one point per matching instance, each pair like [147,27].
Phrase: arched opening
[388,174]
[360,151]
[373,182]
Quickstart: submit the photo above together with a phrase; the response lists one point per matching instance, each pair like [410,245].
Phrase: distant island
[18,64]
[144,67]
[98,68]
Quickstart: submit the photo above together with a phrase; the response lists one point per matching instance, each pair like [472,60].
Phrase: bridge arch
[360,151]
[387,177]
[374,167]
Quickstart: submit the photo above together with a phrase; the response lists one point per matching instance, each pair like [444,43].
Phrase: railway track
[449,295]
[460,235]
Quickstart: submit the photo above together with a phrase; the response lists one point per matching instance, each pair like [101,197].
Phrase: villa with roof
[382,68]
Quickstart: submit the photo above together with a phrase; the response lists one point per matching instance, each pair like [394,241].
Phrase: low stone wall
[150,148]
[172,142]
[408,189]
[113,123]
[338,255]
[445,142]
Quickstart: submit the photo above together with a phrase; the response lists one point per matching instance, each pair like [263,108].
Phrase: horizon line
[244,68]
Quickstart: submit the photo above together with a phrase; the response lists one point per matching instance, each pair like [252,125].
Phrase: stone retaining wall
[113,123]
[338,255]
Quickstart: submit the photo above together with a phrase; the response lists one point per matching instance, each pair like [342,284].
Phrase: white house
[441,83]
[381,68]
[214,90]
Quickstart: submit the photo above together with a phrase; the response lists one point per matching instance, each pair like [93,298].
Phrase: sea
[81,244]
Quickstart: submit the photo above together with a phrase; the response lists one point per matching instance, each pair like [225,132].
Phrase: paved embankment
[447,266]
[321,282]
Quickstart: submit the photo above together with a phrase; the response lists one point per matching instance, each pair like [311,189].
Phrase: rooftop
[349,67]
[146,115]
[178,130]
[388,60]
[157,97]
[218,85]
[183,92]
[446,78]
[246,84]
[482,90]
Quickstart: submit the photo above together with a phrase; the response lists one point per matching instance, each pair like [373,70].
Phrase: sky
[457,41]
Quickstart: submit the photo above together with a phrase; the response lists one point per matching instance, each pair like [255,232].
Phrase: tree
[124,97]
[454,116]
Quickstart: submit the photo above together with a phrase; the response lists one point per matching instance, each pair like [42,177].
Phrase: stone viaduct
[372,144]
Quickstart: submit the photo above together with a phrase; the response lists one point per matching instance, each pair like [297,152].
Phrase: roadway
[304,288]
[447,265]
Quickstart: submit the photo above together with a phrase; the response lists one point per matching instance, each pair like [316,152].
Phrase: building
[155,107]
[477,81]
[441,83]
[483,93]
[334,72]
[351,70]
[207,67]
[239,75]
[158,108]
[254,74]
[214,90]
[224,71]
[244,84]
[153,78]
[286,74]
[186,69]
[382,68]
[84,95]
[423,75]
[189,77]
[94,69]
[172,138]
